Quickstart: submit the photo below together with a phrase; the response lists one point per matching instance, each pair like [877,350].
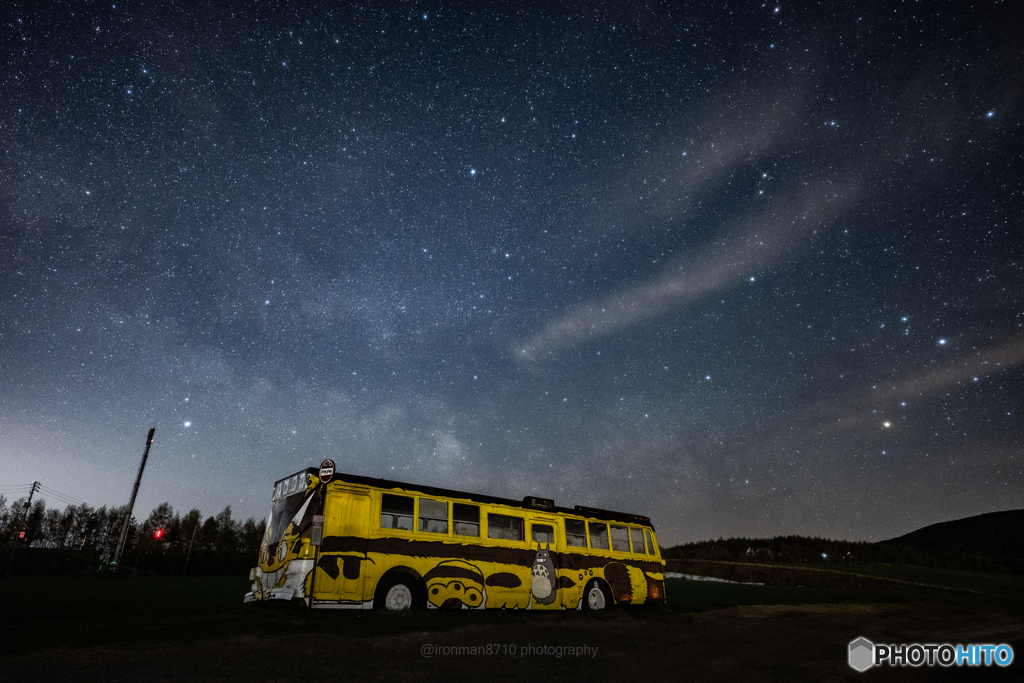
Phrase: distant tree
[5,519]
[219,545]
[251,538]
[50,532]
[34,521]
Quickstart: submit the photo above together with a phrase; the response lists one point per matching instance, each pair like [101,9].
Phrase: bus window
[542,533]
[505,527]
[467,519]
[620,539]
[433,516]
[638,540]
[396,512]
[650,545]
[598,536]
[576,533]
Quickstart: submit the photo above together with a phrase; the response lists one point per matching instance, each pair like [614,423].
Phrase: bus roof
[528,503]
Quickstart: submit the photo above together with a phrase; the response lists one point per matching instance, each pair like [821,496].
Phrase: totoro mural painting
[350,542]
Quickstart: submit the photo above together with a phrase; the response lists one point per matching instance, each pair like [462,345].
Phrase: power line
[57,499]
[45,492]
[15,491]
[55,492]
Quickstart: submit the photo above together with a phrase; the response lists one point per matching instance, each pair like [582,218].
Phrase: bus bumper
[284,584]
[275,594]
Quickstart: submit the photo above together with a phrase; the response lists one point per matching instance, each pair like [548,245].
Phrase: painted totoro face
[455,594]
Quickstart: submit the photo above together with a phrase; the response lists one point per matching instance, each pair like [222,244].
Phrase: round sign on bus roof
[326,471]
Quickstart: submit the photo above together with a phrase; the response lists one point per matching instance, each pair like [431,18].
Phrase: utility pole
[190,548]
[131,504]
[28,505]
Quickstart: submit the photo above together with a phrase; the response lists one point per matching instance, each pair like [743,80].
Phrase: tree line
[166,542]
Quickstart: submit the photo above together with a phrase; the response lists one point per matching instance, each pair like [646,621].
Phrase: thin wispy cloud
[759,240]
[882,398]
[726,133]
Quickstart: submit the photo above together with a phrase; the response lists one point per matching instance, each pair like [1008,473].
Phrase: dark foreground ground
[194,630]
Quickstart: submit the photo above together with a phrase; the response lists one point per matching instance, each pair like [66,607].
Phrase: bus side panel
[341,570]
[543,578]
[508,579]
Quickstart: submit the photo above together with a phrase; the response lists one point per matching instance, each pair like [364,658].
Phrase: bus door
[341,566]
[544,582]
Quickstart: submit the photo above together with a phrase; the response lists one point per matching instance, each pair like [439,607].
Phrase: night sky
[750,270]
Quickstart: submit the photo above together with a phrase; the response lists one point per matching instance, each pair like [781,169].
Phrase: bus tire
[398,594]
[596,596]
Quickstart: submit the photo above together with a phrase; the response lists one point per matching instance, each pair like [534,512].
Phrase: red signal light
[159,533]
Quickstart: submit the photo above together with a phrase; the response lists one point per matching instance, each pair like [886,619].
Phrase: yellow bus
[341,541]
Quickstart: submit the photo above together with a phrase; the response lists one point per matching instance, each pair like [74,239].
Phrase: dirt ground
[792,643]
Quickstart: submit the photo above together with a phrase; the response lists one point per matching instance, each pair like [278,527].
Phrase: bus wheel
[398,595]
[595,596]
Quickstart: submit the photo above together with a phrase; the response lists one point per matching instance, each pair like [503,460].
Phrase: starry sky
[752,269]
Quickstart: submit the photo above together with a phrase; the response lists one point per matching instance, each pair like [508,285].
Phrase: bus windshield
[288,496]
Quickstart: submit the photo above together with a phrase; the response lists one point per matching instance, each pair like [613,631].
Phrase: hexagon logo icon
[862,654]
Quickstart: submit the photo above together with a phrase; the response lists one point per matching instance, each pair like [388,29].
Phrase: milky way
[750,270]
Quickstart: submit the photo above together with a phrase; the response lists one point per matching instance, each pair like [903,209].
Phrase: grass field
[862,578]
[1005,585]
[79,612]
[197,629]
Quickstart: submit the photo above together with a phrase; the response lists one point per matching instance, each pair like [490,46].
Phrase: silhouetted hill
[992,542]
[995,534]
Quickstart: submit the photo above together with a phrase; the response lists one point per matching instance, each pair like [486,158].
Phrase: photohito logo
[863,654]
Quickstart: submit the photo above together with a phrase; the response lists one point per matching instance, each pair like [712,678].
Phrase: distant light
[159,533]
[707,377]
[990,114]
[824,555]
[472,171]
[188,424]
[942,342]
[751,278]
[887,424]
